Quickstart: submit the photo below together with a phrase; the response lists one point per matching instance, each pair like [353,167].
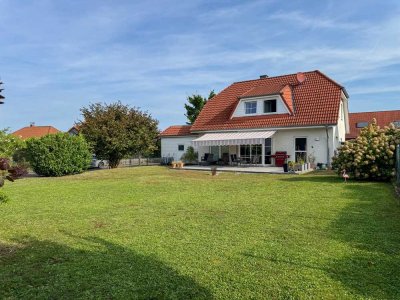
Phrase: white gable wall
[169,146]
[240,108]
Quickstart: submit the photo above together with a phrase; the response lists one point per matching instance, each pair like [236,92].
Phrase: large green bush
[371,155]
[58,154]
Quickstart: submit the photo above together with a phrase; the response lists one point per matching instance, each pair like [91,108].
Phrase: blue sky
[57,56]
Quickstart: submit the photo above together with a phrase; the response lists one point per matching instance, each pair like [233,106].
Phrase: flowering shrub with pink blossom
[371,155]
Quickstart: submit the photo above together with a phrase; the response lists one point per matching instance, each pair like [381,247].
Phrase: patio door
[300,149]
[268,151]
[215,151]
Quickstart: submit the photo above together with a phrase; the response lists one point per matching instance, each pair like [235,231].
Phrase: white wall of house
[170,146]
[343,121]
[282,140]
[240,110]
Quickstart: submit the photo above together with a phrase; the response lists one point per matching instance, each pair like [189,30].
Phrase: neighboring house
[302,114]
[360,120]
[34,131]
[74,130]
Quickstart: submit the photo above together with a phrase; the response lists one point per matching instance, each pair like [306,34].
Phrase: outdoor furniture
[255,160]
[234,159]
[208,159]
[224,160]
[204,158]
[177,164]
[280,158]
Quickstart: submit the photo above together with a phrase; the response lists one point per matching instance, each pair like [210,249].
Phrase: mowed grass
[155,233]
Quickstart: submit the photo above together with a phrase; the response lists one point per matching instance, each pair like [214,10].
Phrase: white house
[303,114]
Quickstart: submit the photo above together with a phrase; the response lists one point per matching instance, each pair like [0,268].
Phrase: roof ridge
[284,75]
[38,126]
[375,111]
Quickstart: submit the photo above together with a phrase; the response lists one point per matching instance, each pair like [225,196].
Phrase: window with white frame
[250,107]
[181,147]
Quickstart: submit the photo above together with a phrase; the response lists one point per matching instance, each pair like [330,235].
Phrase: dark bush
[9,172]
[58,154]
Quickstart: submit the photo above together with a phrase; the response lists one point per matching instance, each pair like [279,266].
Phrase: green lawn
[155,233]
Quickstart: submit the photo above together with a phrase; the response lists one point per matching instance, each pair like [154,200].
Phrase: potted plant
[311,160]
[190,156]
[301,165]
[291,165]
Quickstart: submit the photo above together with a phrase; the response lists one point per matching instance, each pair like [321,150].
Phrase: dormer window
[361,124]
[250,107]
[270,106]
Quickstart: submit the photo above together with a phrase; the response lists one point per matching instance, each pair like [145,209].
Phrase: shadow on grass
[369,227]
[43,269]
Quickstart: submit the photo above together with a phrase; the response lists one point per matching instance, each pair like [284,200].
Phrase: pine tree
[1,97]
[196,104]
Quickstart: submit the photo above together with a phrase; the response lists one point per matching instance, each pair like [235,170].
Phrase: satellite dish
[300,77]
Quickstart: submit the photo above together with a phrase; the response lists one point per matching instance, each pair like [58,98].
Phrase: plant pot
[285,168]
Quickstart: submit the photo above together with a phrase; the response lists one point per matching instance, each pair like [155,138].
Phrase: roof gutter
[328,156]
[262,128]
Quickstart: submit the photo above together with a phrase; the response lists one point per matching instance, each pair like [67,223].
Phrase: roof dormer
[265,100]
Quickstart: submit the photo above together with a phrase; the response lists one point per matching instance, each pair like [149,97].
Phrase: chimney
[32,124]
[263,76]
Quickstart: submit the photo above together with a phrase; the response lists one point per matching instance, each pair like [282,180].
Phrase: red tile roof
[176,130]
[263,90]
[316,101]
[35,131]
[383,118]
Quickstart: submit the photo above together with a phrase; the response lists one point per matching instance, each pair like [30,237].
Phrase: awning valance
[232,138]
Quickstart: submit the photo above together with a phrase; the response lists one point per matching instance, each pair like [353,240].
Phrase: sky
[59,56]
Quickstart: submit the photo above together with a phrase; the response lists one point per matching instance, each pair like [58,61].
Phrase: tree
[371,155]
[196,104]
[116,131]
[1,96]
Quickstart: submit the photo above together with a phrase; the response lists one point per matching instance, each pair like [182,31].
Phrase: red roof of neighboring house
[34,131]
[176,130]
[383,118]
[316,101]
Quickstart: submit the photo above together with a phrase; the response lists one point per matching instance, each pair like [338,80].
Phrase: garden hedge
[58,154]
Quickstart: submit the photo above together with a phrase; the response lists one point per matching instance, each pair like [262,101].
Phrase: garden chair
[234,159]
[209,159]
